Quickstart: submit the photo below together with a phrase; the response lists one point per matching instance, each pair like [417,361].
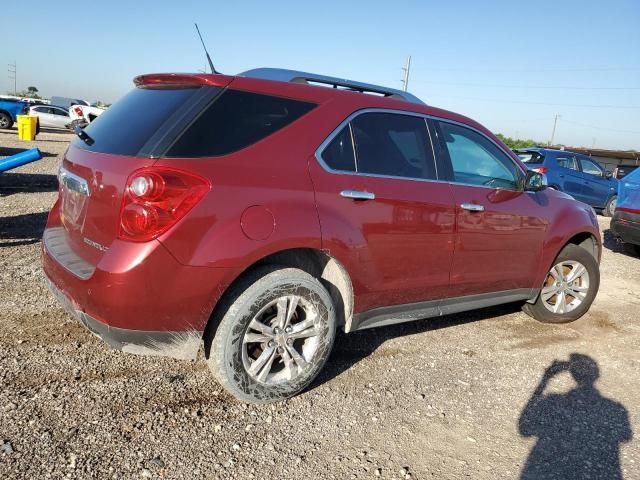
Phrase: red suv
[258,213]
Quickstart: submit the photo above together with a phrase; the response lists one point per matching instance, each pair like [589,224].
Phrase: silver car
[51,116]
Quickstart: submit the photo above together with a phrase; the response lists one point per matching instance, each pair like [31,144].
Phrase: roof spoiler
[182,80]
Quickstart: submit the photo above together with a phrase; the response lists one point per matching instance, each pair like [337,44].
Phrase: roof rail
[293,76]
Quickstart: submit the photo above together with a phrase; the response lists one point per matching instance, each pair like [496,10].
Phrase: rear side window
[235,120]
[129,123]
[531,157]
[394,145]
[567,162]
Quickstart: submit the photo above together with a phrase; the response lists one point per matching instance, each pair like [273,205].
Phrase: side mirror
[608,174]
[535,181]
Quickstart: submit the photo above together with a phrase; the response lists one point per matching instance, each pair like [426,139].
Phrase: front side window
[590,167]
[476,160]
[393,145]
[567,162]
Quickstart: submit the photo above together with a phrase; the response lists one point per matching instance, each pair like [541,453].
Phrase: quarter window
[394,145]
[339,153]
[476,160]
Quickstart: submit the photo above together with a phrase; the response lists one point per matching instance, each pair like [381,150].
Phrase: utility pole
[406,68]
[13,75]
[553,132]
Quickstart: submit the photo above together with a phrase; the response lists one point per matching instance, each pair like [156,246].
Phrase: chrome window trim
[357,113]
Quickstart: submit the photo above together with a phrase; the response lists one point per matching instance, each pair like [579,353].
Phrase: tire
[610,207]
[569,258]
[247,341]
[631,249]
[5,121]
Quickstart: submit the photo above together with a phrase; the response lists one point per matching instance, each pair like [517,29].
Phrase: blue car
[575,174]
[9,109]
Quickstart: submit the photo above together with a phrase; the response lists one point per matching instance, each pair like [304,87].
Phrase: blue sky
[510,65]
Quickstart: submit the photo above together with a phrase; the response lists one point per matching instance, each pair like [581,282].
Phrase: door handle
[357,195]
[472,207]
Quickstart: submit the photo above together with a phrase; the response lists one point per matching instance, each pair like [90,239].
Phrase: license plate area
[75,194]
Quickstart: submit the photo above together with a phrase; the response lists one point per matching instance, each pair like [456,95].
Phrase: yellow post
[27,126]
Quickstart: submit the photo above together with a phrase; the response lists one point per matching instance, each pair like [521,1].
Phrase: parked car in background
[625,223]
[9,109]
[578,175]
[82,115]
[259,213]
[622,171]
[50,116]
[67,102]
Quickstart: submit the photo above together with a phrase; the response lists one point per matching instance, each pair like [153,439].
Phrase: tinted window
[476,160]
[57,111]
[338,155]
[567,162]
[127,125]
[393,144]
[236,120]
[588,166]
[531,157]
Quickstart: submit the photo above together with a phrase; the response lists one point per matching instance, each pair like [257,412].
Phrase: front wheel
[276,333]
[610,208]
[5,121]
[569,288]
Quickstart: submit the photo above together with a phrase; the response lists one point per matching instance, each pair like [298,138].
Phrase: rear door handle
[472,207]
[357,195]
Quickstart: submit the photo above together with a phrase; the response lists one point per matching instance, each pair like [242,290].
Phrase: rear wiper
[84,136]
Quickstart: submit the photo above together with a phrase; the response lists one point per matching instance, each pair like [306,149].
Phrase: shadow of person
[579,432]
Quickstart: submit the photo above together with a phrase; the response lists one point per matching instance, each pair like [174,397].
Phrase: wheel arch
[331,273]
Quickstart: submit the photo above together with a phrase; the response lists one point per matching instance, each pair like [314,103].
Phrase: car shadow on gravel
[611,242]
[351,348]
[22,229]
[578,432]
[11,183]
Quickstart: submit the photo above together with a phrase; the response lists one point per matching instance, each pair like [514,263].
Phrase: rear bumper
[181,345]
[138,298]
[626,226]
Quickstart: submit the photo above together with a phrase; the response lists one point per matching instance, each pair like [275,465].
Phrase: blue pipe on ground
[20,159]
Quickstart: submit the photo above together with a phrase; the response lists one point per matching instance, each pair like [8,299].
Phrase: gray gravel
[435,399]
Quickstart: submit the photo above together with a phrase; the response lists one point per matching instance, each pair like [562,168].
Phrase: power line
[525,102]
[599,128]
[539,69]
[13,75]
[548,87]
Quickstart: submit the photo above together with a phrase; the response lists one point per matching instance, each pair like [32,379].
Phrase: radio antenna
[213,69]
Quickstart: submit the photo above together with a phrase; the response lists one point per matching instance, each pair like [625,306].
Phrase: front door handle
[472,207]
[357,195]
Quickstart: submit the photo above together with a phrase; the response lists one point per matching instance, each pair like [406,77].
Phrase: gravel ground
[447,398]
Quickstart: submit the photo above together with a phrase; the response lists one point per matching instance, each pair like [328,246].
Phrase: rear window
[129,123]
[235,120]
[530,157]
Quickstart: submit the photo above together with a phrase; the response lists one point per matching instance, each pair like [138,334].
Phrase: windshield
[530,157]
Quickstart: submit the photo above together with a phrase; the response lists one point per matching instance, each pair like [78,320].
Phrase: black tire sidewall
[226,349]
[9,121]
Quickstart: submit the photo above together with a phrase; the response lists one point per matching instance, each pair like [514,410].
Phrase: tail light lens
[155,199]
[541,169]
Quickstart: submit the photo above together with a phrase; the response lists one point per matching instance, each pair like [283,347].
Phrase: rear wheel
[631,248]
[568,289]
[610,207]
[276,333]
[5,121]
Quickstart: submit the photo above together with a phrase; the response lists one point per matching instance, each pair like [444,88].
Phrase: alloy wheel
[282,340]
[565,288]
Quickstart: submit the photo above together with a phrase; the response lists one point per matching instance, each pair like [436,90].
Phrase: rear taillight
[155,199]
[541,169]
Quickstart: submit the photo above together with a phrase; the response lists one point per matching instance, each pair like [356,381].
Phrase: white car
[51,116]
[84,114]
